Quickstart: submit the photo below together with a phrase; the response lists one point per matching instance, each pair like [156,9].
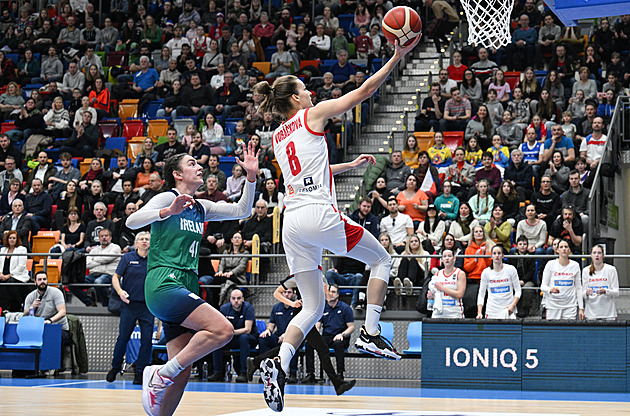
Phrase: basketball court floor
[94,396]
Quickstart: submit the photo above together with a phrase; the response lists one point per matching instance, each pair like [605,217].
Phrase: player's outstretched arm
[359,161]
[321,112]
[160,207]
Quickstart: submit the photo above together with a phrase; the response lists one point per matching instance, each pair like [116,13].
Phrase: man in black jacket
[226,97]
[364,217]
[30,121]
[17,221]
[38,206]
[84,139]
[169,148]
[8,149]
[521,175]
[259,224]
[526,268]
[117,176]
[199,97]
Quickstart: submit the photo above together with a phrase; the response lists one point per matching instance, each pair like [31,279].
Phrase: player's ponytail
[277,98]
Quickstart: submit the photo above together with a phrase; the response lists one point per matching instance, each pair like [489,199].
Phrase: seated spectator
[424,168]
[99,222]
[123,199]
[576,197]
[58,120]
[585,125]
[448,243]
[344,74]
[521,175]
[51,68]
[431,112]
[72,234]
[319,44]
[484,68]
[8,149]
[18,221]
[561,143]
[174,98]
[281,61]
[213,135]
[273,197]
[457,112]
[489,172]
[548,35]
[568,227]
[446,84]
[264,30]
[563,64]
[607,103]
[242,316]
[481,128]
[534,230]
[28,68]
[13,272]
[364,45]
[325,91]
[38,205]
[482,203]
[495,108]
[100,269]
[379,197]
[144,84]
[123,235]
[456,70]
[499,229]
[461,174]
[586,84]
[412,201]
[11,192]
[397,230]
[328,20]
[546,201]
[613,83]
[530,87]
[510,132]
[234,184]
[259,224]
[439,155]
[412,271]
[539,128]
[509,201]
[169,148]
[558,172]
[142,178]
[521,51]
[11,101]
[431,230]
[91,197]
[397,172]
[94,173]
[10,172]
[148,152]
[592,147]
[48,303]
[85,108]
[470,89]
[552,99]
[519,109]
[85,136]
[28,122]
[474,153]
[155,187]
[198,150]
[100,98]
[67,199]
[500,85]
[500,153]
[347,272]
[462,227]
[577,105]
[568,128]
[212,192]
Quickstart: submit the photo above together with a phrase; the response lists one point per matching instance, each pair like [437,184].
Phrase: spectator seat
[452,139]
[108,129]
[128,109]
[133,149]
[116,59]
[150,110]
[42,244]
[264,67]
[414,336]
[8,126]
[157,128]
[425,139]
[512,78]
[230,128]
[133,128]
[116,143]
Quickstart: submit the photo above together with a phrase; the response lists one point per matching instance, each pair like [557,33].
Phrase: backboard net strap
[489,22]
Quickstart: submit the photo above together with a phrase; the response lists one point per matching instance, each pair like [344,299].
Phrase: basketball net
[488,22]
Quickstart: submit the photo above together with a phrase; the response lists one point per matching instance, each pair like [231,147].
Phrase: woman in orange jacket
[100,98]
[480,244]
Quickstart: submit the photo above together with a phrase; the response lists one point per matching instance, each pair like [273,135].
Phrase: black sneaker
[273,378]
[111,375]
[292,379]
[376,345]
[137,379]
[309,379]
[251,369]
[216,377]
[344,387]
[242,378]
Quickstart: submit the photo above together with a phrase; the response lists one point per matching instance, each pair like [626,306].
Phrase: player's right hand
[180,203]
[403,50]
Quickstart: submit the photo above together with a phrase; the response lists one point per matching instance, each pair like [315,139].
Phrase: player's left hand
[250,161]
[581,314]
[362,159]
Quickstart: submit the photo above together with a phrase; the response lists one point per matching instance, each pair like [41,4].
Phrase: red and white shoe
[153,389]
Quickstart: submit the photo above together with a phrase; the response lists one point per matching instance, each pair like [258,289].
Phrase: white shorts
[564,313]
[309,229]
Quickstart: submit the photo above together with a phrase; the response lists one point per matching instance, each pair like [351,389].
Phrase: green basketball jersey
[175,240]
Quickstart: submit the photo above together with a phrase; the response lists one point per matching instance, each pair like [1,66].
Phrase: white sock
[171,369]
[286,353]
[372,316]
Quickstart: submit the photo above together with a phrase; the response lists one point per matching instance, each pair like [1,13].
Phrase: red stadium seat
[513,78]
[116,58]
[133,128]
[452,139]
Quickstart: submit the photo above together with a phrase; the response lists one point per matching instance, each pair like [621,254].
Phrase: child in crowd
[187,137]
[539,127]
[410,152]
[234,184]
[532,150]
[339,42]
[240,137]
[473,153]
[568,128]
[586,177]
[363,43]
[495,108]
[439,154]
[292,36]
[577,105]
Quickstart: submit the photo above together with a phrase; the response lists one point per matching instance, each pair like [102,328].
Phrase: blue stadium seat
[270,50]
[226,163]
[113,162]
[150,110]
[14,57]
[230,128]
[346,21]
[116,143]
[414,336]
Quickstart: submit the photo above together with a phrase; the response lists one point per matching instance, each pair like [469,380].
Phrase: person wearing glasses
[397,225]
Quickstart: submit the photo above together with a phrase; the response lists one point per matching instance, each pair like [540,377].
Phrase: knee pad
[381,269]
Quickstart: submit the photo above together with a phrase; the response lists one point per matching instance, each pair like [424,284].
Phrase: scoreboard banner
[526,355]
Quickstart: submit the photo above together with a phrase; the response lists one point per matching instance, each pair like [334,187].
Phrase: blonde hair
[591,268]
[487,240]
[420,251]
[276,98]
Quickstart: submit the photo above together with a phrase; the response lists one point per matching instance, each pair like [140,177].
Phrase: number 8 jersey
[303,158]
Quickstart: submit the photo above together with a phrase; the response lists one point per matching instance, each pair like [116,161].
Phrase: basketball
[402,23]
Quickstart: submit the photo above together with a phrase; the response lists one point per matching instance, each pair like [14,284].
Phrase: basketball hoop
[488,22]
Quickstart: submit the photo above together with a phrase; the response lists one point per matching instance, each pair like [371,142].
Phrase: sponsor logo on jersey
[192,295]
[559,282]
[308,181]
[286,129]
[448,302]
[492,281]
[192,226]
[310,188]
[500,289]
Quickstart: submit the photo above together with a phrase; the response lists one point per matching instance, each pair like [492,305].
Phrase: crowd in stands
[74,79]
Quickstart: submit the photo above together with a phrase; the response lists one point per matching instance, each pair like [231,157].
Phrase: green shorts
[171,296]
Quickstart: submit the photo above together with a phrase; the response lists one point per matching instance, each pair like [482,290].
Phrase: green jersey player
[192,327]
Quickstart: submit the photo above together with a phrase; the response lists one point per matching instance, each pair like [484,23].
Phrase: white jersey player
[447,288]
[312,221]
[504,289]
[600,287]
[562,283]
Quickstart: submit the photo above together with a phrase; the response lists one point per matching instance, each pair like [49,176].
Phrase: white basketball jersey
[303,158]
[451,307]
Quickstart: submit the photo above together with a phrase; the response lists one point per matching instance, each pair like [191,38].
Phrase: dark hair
[522,238]
[487,154]
[486,122]
[265,195]
[73,209]
[472,83]
[407,178]
[561,156]
[502,197]
[172,164]
[427,227]
[276,97]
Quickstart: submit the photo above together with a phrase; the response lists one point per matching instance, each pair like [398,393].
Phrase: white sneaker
[408,286]
[274,379]
[153,389]
[398,285]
